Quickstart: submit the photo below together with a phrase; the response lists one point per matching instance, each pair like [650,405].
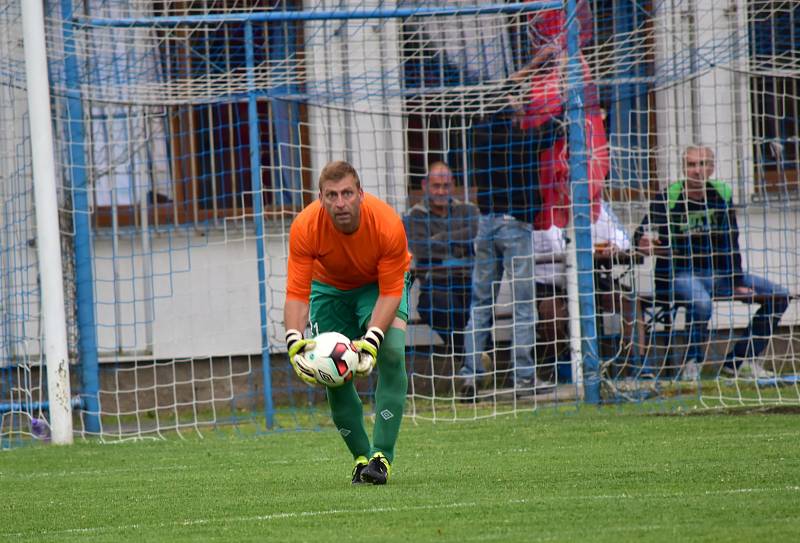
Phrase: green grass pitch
[586,476]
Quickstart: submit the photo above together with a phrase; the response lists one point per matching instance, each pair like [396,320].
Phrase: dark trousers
[444,304]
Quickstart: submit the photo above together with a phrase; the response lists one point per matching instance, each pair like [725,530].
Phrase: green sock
[390,394]
[347,413]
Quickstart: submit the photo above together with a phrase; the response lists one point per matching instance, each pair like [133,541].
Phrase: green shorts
[348,311]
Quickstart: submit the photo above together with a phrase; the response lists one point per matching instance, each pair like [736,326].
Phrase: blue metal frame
[283,114]
[84,275]
[321,15]
[33,407]
[581,207]
[258,212]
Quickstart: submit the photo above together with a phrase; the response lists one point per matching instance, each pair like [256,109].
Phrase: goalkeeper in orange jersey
[348,268]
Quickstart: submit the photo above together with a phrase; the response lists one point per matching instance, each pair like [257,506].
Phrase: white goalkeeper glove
[297,346]
[367,348]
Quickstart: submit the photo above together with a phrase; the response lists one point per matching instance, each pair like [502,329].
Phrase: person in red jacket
[543,105]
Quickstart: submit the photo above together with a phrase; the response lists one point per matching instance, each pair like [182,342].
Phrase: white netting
[156,107]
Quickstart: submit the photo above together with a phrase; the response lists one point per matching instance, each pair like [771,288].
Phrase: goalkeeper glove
[367,348]
[297,346]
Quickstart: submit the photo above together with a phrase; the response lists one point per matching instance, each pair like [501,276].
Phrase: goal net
[189,134]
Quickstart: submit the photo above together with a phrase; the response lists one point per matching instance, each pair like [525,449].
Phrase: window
[451,67]
[189,161]
[622,58]
[775,94]
[479,53]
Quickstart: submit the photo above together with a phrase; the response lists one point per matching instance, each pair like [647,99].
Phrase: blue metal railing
[319,15]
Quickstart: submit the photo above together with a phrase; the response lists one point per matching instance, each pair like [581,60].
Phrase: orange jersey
[376,252]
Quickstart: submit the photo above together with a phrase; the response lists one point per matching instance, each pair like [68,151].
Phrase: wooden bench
[662,311]
[499,316]
[672,339]
[504,315]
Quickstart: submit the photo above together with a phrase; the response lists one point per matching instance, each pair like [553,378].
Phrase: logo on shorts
[344,431]
[386,414]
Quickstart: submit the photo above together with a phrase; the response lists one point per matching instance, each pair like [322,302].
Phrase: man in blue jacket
[441,229]
[694,223]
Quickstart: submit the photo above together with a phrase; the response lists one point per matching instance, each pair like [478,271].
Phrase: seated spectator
[694,224]
[440,232]
[609,239]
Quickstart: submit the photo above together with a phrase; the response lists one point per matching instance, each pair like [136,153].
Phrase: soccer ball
[333,360]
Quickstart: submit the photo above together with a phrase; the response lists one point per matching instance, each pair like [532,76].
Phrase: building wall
[207,300]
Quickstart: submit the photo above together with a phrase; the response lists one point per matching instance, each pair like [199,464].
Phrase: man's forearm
[464,233]
[295,315]
[384,312]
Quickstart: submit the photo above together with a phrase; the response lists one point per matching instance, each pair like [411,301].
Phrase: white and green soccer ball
[333,359]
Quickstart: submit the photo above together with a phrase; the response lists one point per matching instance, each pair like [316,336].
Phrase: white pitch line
[256,518]
[429,507]
[85,472]
[103,472]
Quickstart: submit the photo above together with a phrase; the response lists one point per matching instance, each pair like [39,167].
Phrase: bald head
[438,187]
[698,165]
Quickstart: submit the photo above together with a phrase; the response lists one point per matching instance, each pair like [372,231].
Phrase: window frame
[775,117]
[194,174]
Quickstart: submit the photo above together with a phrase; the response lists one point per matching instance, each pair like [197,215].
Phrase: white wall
[206,288]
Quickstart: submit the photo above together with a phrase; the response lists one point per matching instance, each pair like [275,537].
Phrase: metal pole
[84,274]
[258,217]
[322,15]
[48,241]
[581,206]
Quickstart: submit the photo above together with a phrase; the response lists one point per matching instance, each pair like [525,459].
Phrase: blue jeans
[696,291]
[503,243]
